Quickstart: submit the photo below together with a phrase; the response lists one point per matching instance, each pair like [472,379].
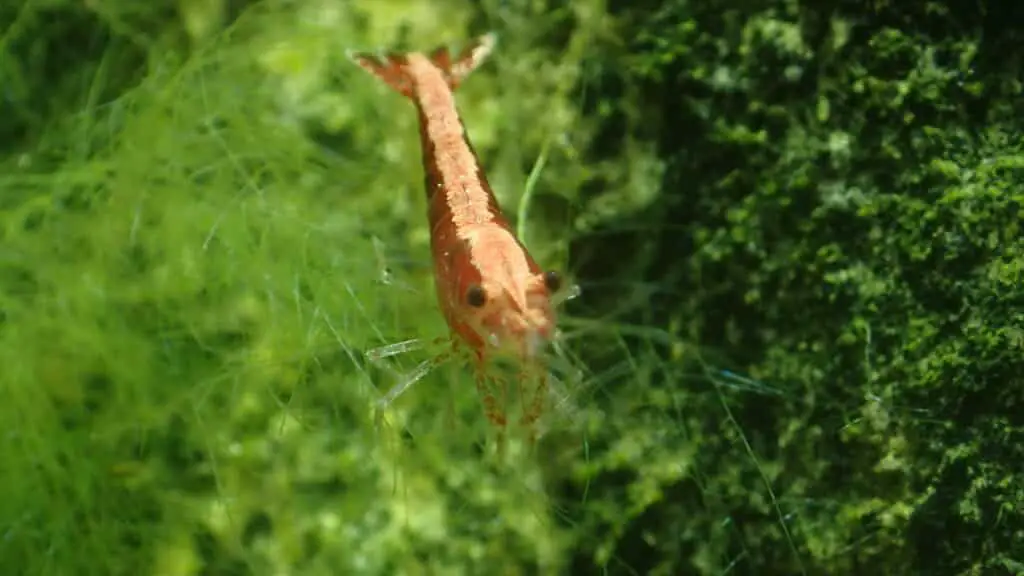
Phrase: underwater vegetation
[798,347]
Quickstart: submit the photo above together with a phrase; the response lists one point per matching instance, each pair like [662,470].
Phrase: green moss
[838,203]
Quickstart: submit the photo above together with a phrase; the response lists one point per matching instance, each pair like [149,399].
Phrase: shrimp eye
[553,280]
[476,296]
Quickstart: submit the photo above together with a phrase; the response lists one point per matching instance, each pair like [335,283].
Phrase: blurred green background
[799,347]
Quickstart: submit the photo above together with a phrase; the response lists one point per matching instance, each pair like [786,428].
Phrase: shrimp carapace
[494,296]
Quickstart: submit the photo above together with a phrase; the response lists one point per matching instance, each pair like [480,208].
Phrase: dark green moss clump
[841,216]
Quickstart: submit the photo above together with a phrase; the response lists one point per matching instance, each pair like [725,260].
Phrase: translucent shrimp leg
[377,356]
[395,349]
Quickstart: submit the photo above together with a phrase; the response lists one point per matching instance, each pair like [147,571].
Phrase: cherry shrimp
[495,298]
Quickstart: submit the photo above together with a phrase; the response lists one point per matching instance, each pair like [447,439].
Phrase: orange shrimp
[494,296]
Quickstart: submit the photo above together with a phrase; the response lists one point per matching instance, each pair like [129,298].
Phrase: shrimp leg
[494,412]
[376,356]
[533,411]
